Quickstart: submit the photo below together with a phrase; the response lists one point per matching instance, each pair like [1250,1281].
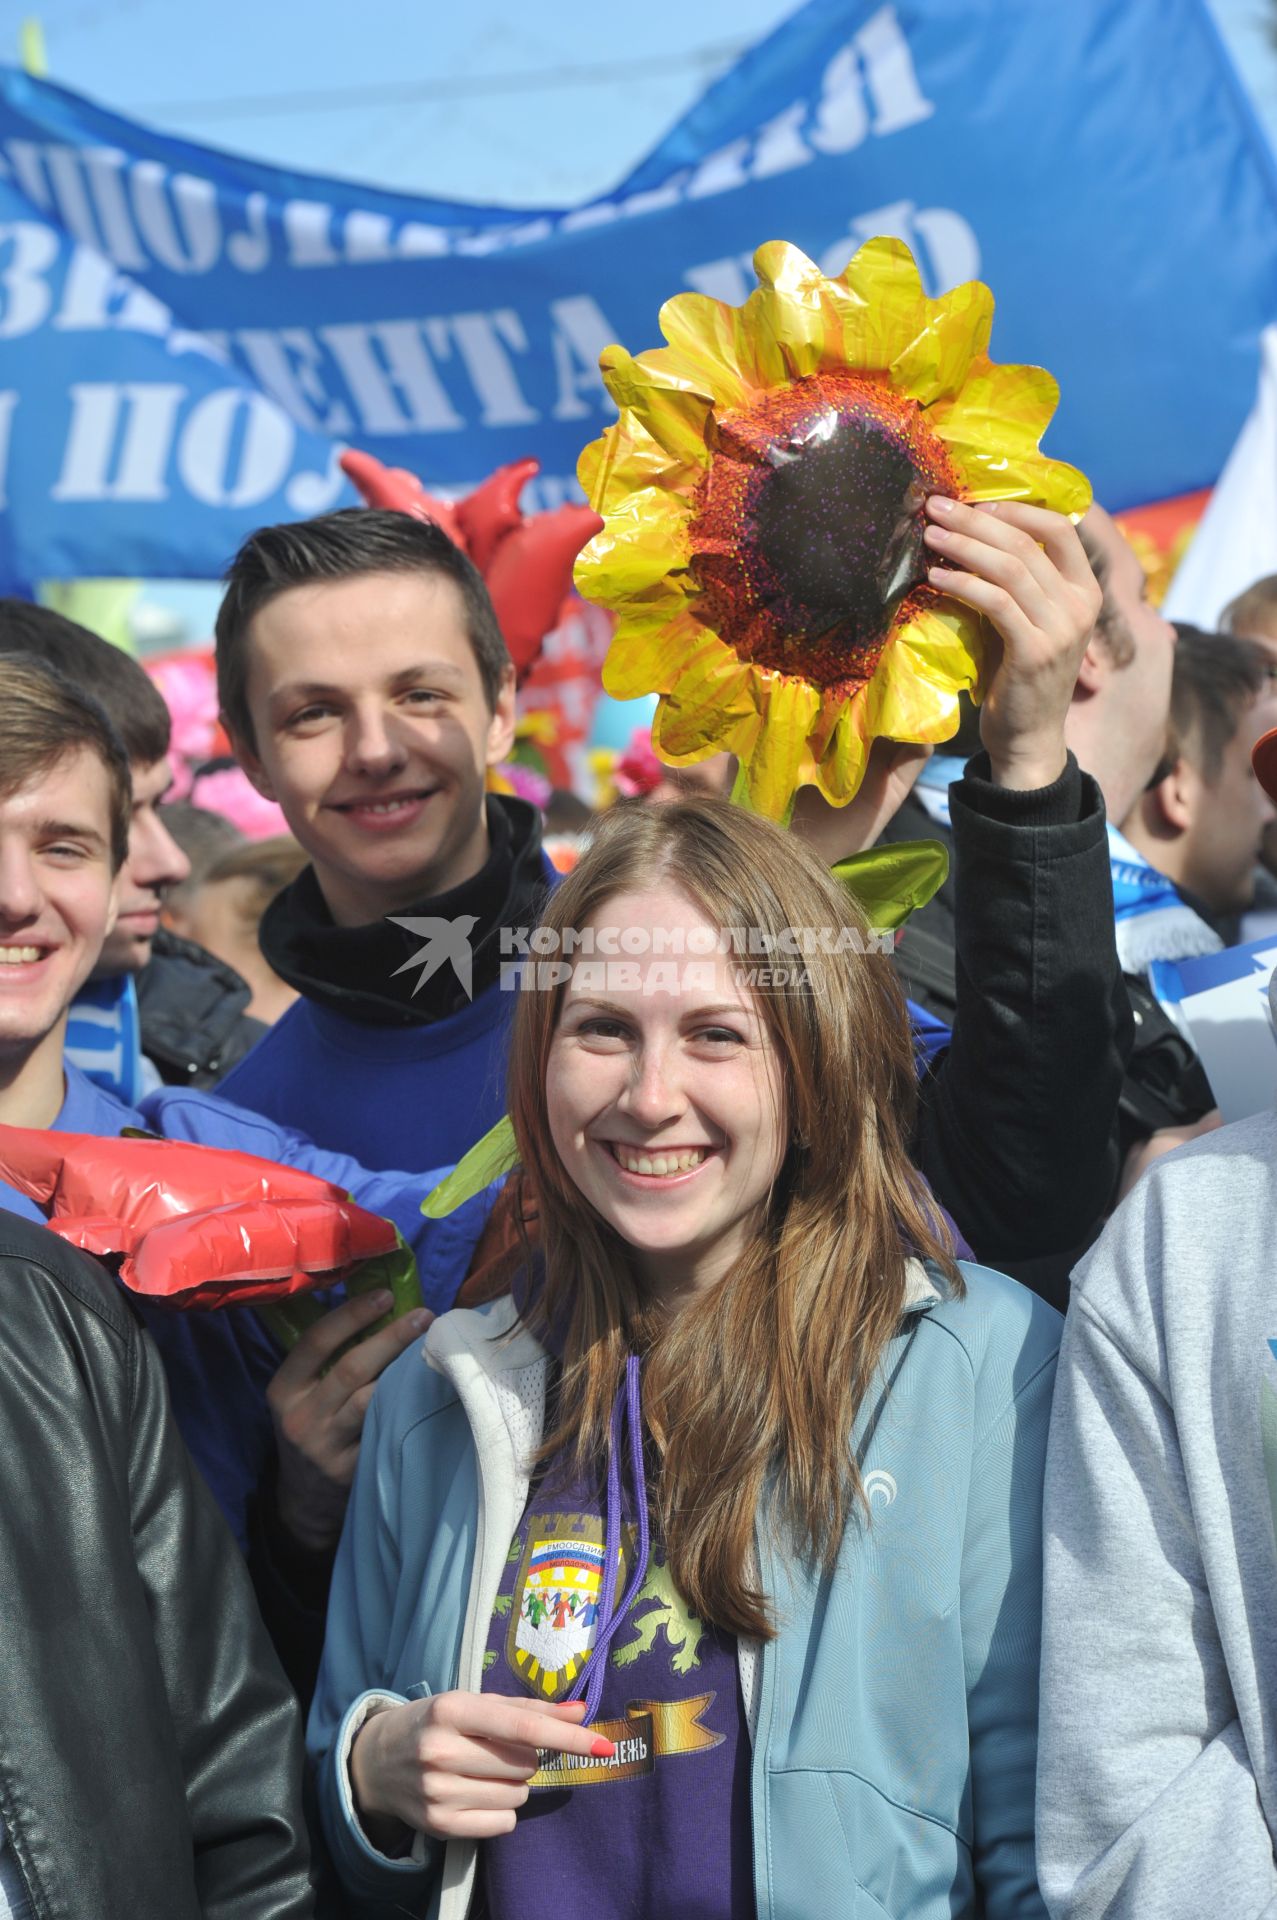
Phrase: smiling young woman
[748,1468]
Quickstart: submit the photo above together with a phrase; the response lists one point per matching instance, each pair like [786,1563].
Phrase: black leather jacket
[150,1752]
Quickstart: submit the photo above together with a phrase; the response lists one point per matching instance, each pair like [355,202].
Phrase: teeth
[660,1164]
[14,956]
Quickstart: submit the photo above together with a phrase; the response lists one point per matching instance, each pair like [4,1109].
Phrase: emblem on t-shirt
[553,1623]
[557,1596]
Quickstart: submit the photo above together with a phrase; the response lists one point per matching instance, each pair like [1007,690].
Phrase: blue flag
[188,340]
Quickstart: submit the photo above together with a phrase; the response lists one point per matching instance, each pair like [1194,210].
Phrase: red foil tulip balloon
[526,559]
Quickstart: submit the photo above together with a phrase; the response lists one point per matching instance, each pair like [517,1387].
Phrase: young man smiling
[276,1442]
[156,1007]
[367,688]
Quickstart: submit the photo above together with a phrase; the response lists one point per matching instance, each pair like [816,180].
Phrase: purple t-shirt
[664,1827]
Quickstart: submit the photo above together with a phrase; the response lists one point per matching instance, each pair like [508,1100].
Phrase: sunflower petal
[665,405]
[955,335]
[722,353]
[842,753]
[653,647]
[943,643]
[776,762]
[637,552]
[707,703]
[790,311]
[992,427]
[626,460]
[914,695]
[686,731]
[880,305]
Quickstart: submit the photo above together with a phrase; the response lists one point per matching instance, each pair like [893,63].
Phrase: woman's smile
[663,1166]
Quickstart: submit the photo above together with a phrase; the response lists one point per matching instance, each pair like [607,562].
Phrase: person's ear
[501,726]
[1094,670]
[247,757]
[1174,798]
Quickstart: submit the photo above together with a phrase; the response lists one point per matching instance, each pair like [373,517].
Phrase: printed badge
[553,1623]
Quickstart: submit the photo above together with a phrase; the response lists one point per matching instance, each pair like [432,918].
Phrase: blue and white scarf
[931,789]
[1154,924]
[104,1038]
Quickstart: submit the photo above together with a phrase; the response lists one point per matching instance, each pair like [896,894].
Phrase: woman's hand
[457,1766]
[1026,570]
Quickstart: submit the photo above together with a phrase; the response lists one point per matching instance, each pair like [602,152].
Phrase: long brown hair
[757,1381]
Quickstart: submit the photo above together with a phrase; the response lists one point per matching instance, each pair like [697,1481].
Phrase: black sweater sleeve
[1017,1131]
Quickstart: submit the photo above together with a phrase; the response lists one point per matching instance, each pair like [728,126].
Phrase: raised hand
[1026,570]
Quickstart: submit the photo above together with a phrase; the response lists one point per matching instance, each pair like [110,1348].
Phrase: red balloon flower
[526,559]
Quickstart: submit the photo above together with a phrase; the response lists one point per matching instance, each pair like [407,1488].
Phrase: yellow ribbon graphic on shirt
[652,1730]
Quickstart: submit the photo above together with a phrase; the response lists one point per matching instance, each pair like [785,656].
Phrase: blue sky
[546,102]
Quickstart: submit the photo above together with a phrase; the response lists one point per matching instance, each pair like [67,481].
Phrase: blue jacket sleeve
[355,1680]
[443,1248]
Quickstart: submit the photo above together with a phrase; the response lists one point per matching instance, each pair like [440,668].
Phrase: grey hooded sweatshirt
[1157,1751]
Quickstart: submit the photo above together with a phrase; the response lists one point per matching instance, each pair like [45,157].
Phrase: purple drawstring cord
[628,1404]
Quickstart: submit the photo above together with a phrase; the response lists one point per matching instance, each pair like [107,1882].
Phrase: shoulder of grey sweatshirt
[1157,1758]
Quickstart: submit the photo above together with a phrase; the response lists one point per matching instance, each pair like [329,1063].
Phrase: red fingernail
[603,1749]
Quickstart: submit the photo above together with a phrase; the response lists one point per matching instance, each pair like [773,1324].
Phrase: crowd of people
[835,1470]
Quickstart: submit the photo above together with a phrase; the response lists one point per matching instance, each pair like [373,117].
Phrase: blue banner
[187,340]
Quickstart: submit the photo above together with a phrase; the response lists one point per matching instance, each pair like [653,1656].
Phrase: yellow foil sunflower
[763,497]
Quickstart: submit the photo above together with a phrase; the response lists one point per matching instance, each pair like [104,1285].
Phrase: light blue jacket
[896,1709]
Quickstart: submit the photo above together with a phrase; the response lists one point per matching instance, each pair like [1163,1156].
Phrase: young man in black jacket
[1018,951]
[150,1750]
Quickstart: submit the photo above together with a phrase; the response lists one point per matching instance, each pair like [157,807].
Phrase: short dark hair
[130,699]
[1112,629]
[43,718]
[1256,607]
[1217,677]
[341,546]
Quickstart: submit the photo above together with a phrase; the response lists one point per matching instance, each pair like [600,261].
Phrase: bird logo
[445,940]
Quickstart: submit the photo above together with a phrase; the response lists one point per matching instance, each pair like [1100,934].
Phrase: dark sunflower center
[808,534]
[838,525]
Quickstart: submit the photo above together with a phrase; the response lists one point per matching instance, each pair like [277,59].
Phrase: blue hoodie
[219,1364]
